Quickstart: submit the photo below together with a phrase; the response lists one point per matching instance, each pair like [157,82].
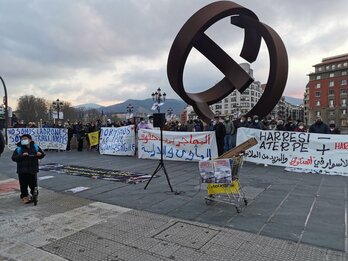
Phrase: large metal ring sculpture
[192,34]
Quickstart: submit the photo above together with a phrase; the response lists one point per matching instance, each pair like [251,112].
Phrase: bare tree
[32,109]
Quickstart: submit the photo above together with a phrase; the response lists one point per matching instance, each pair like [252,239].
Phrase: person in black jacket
[319,127]
[220,133]
[2,143]
[27,155]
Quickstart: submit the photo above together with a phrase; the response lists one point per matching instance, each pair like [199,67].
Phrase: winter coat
[319,127]
[2,143]
[30,163]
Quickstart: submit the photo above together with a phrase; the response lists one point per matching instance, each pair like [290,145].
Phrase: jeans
[227,142]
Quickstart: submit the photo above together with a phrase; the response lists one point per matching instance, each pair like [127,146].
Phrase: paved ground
[300,208]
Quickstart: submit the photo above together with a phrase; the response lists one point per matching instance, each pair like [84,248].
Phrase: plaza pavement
[290,216]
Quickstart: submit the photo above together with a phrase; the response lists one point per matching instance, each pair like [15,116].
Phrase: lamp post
[130,109]
[158,121]
[6,108]
[57,105]
[159,98]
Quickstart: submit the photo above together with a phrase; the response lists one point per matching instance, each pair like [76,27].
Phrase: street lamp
[58,106]
[130,109]
[6,108]
[159,98]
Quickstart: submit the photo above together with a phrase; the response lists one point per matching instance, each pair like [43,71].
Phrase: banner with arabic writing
[327,153]
[117,141]
[46,138]
[181,146]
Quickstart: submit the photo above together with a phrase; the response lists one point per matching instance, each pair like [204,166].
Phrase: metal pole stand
[160,166]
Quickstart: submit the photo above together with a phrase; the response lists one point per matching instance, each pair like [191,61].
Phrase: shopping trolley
[223,184]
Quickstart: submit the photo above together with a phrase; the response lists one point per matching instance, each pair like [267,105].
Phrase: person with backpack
[27,155]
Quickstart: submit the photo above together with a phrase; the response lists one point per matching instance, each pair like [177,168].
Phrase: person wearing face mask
[142,125]
[257,124]
[27,155]
[319,127]
[334,129]
[230,131]
[301,127]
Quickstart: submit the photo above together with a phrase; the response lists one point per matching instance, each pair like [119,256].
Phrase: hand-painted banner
[182,146]
[117,141]
[46,138]
[323,152]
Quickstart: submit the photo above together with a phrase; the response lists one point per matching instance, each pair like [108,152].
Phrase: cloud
[106,51]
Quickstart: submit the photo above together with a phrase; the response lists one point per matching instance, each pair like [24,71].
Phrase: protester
[142,124]
[256,124]
[2,143]
[220,132]
[280,126]
[80,134]
[319,127]
[289,126]
[229,131]
[70,134]
[301,127]
[190,125]
[333,129]
[27,156]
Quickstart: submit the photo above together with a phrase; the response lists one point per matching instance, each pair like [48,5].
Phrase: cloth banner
[327,153]
[181,146]
[46,138]
[117,141]
[93,138]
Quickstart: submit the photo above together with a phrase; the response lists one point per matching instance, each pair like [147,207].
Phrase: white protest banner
[46,138]
[322,152]
[182,146]
[117,141]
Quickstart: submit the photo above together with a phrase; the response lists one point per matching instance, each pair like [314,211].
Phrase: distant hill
[144,106]
[88,106]
[293,101]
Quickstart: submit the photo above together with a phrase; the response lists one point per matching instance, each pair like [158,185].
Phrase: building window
[344,102]
[332,113]
[320,69]
[226,106]
[331,103]
[333,66]
[317,103]
[327,67]
[343,82]
[345,64]
[252,92]
[217,107]
[344,73]
[318,77]
[343,91]
[331,83]
[344,122]
[317,86]
[344,112]
[226,112]
[317,113]
[331,92]
[339,65]
[331,75]
[226,100]
[317,94]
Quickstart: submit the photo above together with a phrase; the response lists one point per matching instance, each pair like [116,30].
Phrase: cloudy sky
[107,51]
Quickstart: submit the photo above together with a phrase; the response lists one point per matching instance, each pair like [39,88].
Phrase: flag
[93,138]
